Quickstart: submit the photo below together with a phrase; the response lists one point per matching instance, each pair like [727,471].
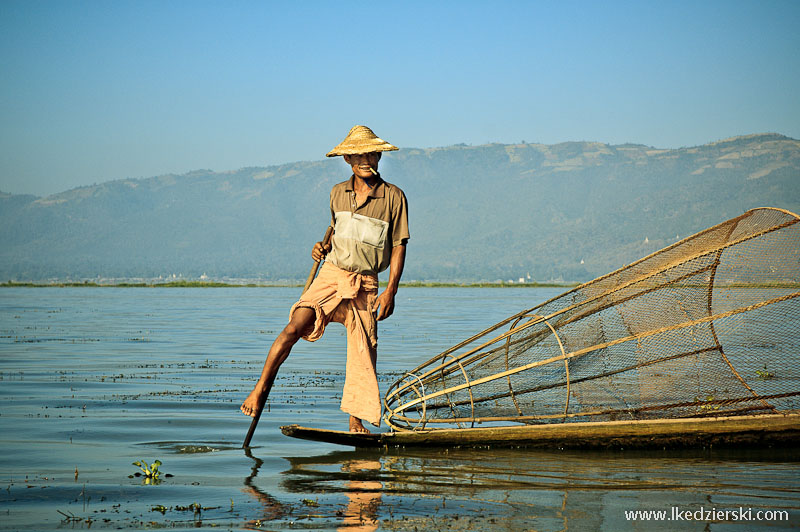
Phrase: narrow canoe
[760,430]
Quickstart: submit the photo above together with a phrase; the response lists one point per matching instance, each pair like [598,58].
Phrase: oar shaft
[252,429]
[313,273]
[253,424]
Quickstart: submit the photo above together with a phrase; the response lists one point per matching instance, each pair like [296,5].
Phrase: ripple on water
[181,447]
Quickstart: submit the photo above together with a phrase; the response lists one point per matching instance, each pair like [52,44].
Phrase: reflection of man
[370,223]
[363,497]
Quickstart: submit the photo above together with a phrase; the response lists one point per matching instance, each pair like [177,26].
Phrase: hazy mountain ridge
[477,212]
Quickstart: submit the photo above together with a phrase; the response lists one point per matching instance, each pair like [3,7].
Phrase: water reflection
[357,478]
[521,489]
[271,508]
[430,489]
[364,496]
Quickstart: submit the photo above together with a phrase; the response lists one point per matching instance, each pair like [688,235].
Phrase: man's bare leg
[300,324]
[356,425]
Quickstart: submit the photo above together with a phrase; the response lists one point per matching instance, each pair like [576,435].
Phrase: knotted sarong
[349,298]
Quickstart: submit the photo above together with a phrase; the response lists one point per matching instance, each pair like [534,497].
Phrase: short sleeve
[400,232]
[333,213]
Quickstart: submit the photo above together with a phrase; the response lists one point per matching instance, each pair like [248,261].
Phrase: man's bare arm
[385,301]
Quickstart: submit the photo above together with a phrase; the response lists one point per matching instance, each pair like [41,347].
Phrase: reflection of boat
[424,488]
[357,475]
[695,344]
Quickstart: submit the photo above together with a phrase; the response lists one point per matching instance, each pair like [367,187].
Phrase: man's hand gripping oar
[324,244]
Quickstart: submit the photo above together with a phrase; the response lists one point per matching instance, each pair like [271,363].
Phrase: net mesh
[705,327]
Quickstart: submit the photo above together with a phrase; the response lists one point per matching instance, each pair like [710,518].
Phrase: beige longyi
[349,298]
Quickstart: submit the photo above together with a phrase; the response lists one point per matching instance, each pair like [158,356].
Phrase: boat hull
[761,430]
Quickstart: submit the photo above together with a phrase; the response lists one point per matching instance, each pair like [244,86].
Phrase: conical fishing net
[705,327]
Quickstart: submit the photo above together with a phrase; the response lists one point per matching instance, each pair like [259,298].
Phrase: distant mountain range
[565,212]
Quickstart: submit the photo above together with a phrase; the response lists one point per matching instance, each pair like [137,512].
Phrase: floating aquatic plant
[707,400]
[764,375]
[149,471]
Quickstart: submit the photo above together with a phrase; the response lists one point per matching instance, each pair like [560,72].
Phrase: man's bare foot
[250,405]
[356,425]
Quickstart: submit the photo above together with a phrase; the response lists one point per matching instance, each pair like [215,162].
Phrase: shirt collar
[376,192]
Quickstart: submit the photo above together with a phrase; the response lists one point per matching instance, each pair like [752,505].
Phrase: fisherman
[370,221]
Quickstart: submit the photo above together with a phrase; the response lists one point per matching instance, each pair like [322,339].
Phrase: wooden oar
[313,273]
[325,241]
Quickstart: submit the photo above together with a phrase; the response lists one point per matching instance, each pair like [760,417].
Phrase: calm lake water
[93,379]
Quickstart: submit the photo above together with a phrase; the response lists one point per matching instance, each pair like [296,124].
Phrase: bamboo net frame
[708,326]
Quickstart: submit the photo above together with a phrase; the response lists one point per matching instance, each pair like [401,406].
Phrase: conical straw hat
[361,139]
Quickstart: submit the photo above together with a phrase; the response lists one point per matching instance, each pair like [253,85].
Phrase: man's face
[362,163]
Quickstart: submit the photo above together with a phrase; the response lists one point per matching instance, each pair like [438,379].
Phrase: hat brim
[370,146]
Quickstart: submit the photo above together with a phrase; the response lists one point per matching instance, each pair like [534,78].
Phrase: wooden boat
[761,430]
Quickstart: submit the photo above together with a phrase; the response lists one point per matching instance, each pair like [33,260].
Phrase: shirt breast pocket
[370,231]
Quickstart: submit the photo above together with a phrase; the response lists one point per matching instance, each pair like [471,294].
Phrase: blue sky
[102,90]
